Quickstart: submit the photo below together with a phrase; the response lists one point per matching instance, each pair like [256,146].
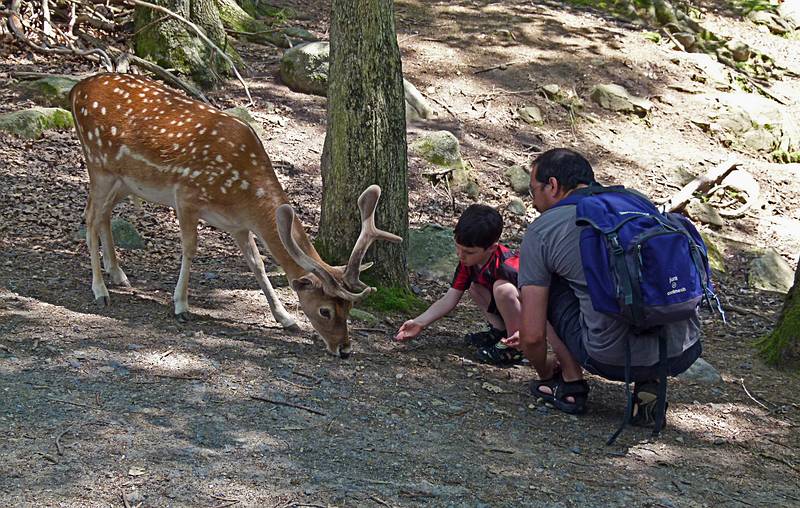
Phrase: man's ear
[306,283]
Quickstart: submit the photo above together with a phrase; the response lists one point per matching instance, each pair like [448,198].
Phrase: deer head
[141,138]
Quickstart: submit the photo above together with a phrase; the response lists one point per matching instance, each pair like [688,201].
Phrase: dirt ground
[123,406]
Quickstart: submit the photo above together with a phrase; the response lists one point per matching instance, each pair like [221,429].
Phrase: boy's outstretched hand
[512,341]
[408,331]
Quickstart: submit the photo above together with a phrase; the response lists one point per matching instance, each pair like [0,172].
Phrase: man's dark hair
[568,167]
[479,226]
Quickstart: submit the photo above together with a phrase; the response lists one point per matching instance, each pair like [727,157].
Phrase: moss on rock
[31,123]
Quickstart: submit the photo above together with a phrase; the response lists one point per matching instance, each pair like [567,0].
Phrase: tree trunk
[366,137]
[782,347]
[172,44]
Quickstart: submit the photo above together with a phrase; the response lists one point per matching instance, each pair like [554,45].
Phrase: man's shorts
[563,312]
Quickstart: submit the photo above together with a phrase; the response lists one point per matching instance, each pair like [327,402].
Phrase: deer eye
[325,312]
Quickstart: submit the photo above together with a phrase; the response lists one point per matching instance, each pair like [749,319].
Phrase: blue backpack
[643,266]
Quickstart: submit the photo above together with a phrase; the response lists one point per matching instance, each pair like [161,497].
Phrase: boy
[489,271]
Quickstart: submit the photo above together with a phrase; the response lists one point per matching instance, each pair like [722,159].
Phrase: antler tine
[367,203]
[284,219]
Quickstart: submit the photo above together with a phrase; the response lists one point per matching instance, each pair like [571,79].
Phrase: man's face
[474,256]
[540,193]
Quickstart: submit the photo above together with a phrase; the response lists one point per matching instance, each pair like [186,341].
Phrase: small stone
[576,450]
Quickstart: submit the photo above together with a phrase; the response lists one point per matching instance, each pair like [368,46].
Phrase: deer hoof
[103,301]
[183,317]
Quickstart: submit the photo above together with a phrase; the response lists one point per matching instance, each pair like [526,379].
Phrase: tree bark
[366,137]
[171,44]
[782,347]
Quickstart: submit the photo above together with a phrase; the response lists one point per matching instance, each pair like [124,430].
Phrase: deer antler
[284,219]
[367,203]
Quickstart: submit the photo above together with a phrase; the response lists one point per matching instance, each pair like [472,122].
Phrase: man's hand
[408,331]
[512,341]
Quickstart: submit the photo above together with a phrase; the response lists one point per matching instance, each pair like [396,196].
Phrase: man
[557,309]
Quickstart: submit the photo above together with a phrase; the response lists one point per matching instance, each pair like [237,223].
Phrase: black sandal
[560,391]
[499,354]
[485,338]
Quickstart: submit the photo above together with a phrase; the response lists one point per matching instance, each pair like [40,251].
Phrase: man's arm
[533,332]
[437,310]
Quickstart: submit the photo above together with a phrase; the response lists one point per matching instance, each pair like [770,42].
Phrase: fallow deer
[140,138]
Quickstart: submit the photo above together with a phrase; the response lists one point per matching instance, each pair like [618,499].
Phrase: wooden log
[701,183]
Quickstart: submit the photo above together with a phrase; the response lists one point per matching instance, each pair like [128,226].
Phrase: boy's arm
[437,310]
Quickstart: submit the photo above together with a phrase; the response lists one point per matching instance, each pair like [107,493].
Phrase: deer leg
[93,220]
[188,223]
[247,244]
[110,261]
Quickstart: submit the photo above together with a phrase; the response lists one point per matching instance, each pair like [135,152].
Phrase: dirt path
[230,411]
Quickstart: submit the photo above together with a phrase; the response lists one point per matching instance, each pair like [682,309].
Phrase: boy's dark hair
[567,166]
[479,226]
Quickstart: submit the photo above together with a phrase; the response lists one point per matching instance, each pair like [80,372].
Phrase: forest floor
[123,406]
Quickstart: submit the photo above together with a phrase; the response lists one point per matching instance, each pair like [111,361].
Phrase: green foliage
[785,157]
[652,36]
[746,6]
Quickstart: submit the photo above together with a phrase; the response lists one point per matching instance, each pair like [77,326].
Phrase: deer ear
[306,283]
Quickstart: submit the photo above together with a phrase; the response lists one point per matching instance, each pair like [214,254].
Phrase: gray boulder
[789,10]
[705,213]
[716,251]
[616,98]
[441,149]
[517,207]
[31,123]
[531,114]
[304,68]
[701,372]
[754,122]
[124,233]
[432,252]
[520,179]
[52,91]
[770,272]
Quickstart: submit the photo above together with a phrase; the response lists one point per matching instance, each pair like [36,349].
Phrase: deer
[141,139]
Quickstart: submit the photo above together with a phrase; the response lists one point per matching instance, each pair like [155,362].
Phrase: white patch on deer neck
[260,193]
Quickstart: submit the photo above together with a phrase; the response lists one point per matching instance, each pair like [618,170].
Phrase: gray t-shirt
[552,246]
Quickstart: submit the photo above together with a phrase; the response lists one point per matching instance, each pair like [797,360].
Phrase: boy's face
[474,256]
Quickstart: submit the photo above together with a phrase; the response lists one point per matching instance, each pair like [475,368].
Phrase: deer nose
[344,355]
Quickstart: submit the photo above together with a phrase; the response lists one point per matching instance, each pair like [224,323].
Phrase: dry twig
[699,184]
[287,404]
[753,398]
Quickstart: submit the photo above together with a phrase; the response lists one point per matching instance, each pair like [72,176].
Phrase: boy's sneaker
[499,354]
[485,338]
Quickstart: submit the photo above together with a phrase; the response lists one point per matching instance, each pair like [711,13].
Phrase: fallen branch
[499,66]
[59,448]
[700,184]
[287,404]
[202,36]
[445,106]
[753,398]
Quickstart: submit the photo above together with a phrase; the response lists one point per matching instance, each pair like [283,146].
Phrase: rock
[366,317]
[551,91]
[701,372]
[125,235]
[687,39]
[432,252]
[31,123]
[776,23]
[616,98]
[517,207]
[739,50]
[754,122]
[789,11]
[711,70]
[304,68]
[705,213]
[440,148]
[531,114]
[520,179]
[51,91]
[244,115]
[770,272]
[716,253]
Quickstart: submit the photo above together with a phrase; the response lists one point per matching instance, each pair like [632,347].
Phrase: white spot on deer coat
[94,105]
[244,185]
[260,193]
[113,130]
